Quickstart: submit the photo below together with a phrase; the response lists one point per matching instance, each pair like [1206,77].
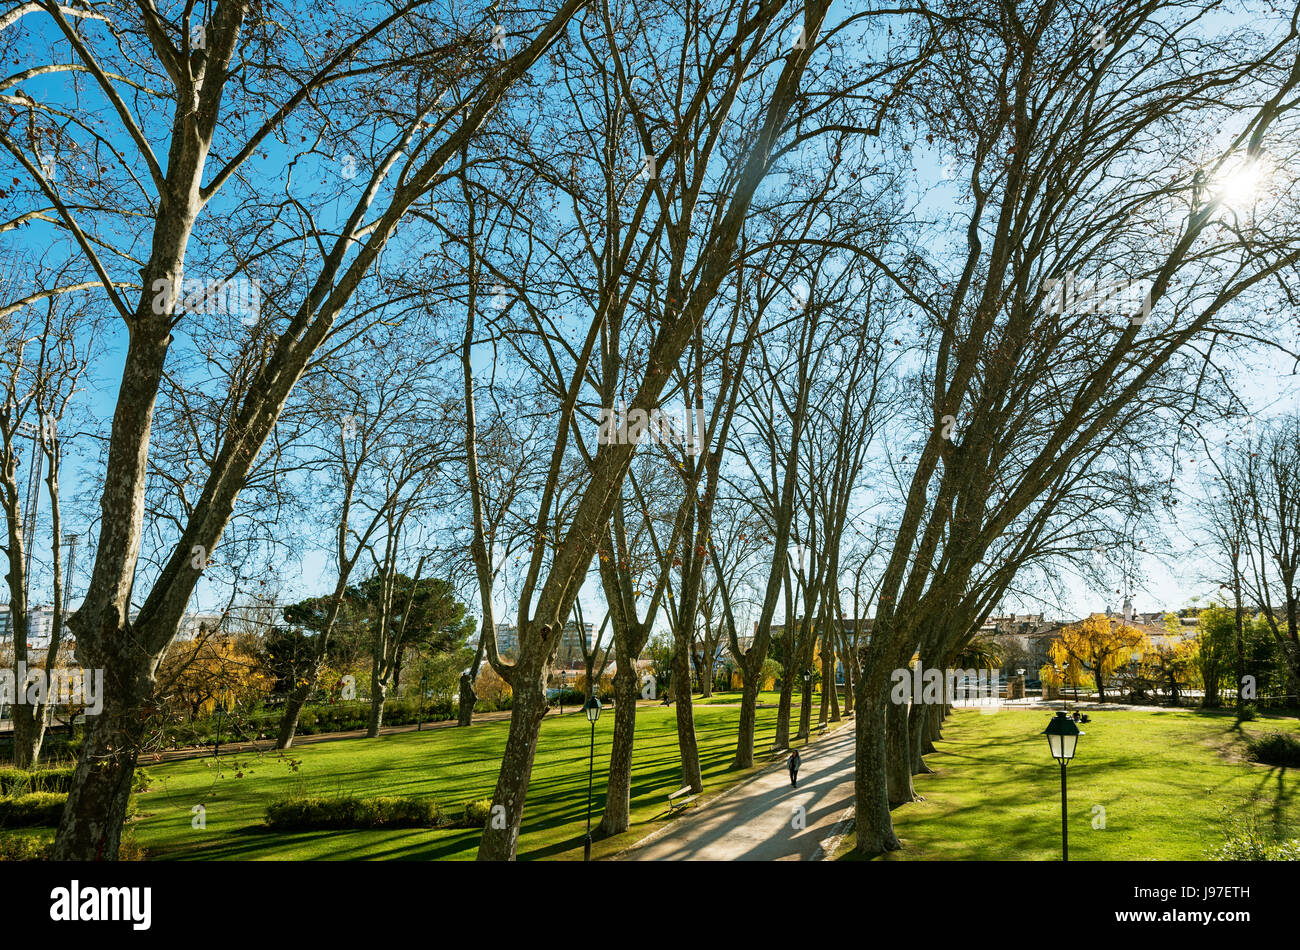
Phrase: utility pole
[70,538]
[33,500]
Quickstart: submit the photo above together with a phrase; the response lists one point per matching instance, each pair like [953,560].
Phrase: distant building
[194,624]
[570,655]
[41,623]
[847,625]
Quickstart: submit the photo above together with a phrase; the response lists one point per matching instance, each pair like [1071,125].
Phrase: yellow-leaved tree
[212,669]
[1098,645]
[1174,667]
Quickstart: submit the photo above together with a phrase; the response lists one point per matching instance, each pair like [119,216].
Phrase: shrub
[34,808]
[1247,839]
[24,848]
[407,712]
[490,687]
[1252,845]
[141,781]
[1249,712]
[128,849]
[27,847]
[476,812]
[1274,748]
[310,814]
[24,781]
[569,697]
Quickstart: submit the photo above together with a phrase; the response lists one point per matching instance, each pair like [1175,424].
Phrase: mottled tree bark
[500,838]
[618,791]
[744,758]
[788,677]
[933,728]
[90,828]
[828,677]
[690,752]
[465,707]
[292,710]
[917,718]
[805,709]
[378,696]
[872,825]
[848,688]
[898,755]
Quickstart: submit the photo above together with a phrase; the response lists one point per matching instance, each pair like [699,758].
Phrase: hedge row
[29,847]
[350,812]
[25,781]
[35,808]
[24,848]
[346,717]
[40,809]
[340,717]
[312,814]
[56,748]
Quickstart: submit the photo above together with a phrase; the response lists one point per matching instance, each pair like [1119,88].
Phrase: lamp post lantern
[592,709]
[1062,737]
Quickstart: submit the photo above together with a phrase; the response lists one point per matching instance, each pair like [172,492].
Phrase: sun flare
[1240,184]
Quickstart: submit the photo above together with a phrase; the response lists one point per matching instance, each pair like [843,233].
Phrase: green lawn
[451,766]
[732,697]
[1163,777]
[766,697]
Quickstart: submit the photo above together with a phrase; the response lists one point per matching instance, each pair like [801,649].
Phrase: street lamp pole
[1065,829]
[1062,739]
[592,709]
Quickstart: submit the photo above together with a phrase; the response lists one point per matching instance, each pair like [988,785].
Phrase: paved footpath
[756,821]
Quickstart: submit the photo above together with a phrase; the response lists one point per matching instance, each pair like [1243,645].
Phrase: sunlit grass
[1165,779]
[451,766]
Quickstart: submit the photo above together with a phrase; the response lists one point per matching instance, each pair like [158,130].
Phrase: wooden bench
[680,798]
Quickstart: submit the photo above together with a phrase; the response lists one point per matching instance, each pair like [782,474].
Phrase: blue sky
[1268,386]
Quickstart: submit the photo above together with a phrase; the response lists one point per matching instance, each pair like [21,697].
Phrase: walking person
[794,769]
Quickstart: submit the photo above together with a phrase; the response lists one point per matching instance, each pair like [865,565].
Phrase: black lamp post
[592,709]
[562,675]
[1062,737]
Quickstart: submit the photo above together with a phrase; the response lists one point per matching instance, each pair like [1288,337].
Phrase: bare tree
[49,341]
[214,128]
[1042,206]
